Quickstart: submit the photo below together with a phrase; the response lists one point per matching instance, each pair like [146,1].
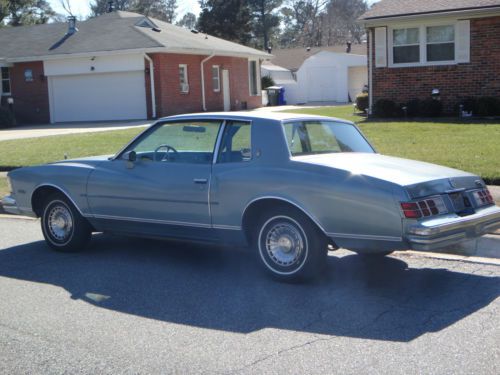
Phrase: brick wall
[480,77]
[169,99]
[31,99]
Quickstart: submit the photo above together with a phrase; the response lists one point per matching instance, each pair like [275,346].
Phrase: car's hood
[403,172]
[91,161]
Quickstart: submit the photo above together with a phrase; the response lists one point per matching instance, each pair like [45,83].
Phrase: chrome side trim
[287,201]
[58,188]
[365,237]
[226,227]
[151,221]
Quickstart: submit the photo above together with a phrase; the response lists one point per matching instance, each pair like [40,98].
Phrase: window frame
[185,77]
[216,89]
[257,78]
[5,79]
[220,140]
[141,136]
[422,43]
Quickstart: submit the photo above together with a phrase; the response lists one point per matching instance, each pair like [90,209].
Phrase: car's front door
[167,184]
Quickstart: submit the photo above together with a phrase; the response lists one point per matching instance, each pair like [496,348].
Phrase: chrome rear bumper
[451,229]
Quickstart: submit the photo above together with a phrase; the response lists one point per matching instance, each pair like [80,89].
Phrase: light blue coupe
[289,186]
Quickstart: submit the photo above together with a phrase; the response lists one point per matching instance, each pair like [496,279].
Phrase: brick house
[123,65]
[417,46]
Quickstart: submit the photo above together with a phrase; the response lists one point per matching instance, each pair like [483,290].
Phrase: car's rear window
[321,137]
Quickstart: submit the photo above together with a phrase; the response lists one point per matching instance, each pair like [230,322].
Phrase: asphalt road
[140,306]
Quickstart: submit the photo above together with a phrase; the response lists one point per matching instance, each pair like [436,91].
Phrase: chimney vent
[72,25]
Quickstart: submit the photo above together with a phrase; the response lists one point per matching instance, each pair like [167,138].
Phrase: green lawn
[32,151]
[470,146]
[3,187]
[473,147]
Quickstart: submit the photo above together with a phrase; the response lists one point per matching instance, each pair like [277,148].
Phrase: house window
[5,81]
[406,45]
[216,78]
[440,43]
[253,77]
[183,79]
[430,44]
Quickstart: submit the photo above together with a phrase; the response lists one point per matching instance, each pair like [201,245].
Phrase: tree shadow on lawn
[220,289]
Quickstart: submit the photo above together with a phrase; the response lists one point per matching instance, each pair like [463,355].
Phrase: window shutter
[380,47]
[463,41]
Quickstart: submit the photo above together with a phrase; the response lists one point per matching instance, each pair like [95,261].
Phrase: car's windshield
[321,137]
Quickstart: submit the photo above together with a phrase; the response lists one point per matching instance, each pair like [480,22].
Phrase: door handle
[200,180]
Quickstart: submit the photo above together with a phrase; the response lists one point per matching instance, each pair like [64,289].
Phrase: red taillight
[424,208]
[482,197]
[411,210]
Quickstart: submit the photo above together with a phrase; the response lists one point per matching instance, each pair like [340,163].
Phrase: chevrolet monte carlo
[288,186]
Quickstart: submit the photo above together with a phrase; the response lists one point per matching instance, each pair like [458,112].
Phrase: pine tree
[227,19]
[25,12]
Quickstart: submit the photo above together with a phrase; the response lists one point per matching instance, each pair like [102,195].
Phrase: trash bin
[281,96]
[273,93]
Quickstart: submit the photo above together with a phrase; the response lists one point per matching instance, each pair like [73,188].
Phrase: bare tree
[66,5]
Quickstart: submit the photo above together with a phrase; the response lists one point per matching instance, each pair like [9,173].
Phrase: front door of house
[226,90]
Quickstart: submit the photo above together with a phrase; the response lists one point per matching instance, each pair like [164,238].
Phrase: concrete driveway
[34,131]
[145,307]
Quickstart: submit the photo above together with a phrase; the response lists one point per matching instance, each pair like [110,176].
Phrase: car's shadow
[226,290]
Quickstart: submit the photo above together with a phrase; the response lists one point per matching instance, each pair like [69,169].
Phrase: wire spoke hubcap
[284,244]
[60,223]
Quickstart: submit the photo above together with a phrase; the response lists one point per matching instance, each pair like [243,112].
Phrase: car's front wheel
[64,229]
[290,246]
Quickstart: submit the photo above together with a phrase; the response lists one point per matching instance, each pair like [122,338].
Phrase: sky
[81,7]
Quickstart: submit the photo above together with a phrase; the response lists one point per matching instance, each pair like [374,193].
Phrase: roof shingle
[111,32]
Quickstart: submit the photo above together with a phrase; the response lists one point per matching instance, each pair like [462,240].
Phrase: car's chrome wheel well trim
[310,216]
[61,190]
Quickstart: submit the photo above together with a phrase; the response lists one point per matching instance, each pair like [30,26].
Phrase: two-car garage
[97,88]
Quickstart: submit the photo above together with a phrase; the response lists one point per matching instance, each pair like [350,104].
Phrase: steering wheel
[165,157]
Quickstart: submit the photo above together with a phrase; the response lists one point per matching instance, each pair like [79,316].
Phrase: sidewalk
[35,131]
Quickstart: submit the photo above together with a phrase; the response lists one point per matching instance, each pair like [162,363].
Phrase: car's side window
[178,142]
[236,143]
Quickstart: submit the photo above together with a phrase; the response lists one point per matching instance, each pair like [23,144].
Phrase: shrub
[431,108]
[6,118]
[413,107]
[487,106]
[362,102]
[385,108]
[266,82]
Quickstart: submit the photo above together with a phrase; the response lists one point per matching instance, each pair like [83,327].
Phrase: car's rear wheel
[290,246]
[64,229]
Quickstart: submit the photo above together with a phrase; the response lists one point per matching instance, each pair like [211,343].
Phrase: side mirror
[130,156]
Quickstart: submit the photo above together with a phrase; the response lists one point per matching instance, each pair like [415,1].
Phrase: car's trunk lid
[418,178]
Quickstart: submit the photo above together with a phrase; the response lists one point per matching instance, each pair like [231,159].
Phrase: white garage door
[322,85]
[98,97]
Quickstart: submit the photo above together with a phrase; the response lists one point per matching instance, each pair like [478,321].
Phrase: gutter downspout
[204,104]
[370,70]
[152,84]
